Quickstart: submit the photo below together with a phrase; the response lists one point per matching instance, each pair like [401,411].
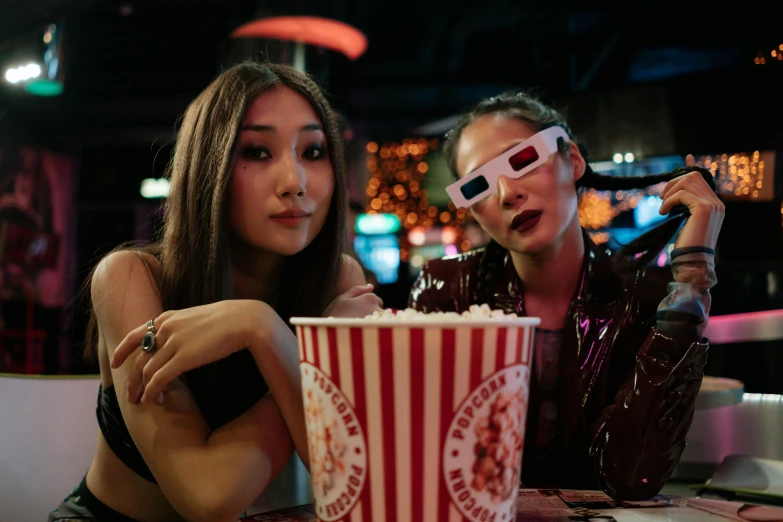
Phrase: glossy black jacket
[627,391]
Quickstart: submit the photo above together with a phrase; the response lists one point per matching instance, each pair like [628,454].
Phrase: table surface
[573,506]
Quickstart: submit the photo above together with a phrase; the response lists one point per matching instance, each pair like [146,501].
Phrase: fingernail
[160,398]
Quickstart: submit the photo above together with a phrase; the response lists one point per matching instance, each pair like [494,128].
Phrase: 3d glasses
[514,163]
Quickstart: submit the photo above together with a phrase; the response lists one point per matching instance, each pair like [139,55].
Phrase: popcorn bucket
[417,419]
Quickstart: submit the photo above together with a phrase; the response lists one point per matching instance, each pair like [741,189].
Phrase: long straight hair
[528,109]
[193,246]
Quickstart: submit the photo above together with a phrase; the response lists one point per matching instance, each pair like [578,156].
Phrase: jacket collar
[597,282]
[588,328]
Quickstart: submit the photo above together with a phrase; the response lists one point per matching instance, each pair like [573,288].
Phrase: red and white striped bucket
[415,421]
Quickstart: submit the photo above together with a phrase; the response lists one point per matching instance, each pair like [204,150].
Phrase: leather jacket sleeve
[445,285]
[638,439]
[419,297]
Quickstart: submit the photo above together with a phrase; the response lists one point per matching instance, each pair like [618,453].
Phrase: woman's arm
[281,367]
[351,274]
[355,297]
[190,338]
[205,475]
[639,438]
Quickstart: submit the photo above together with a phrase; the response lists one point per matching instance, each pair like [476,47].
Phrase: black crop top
[223,391]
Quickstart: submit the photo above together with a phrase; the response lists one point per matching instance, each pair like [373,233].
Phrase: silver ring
[148,341]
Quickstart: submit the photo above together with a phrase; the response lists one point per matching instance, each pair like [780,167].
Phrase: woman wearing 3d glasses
[618,357]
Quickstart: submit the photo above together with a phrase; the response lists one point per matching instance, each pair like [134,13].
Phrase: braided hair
[522,106]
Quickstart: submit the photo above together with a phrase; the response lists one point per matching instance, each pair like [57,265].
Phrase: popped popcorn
[475,312]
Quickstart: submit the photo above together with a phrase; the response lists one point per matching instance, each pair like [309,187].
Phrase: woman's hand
[707,211]
[356,302]
[190,338]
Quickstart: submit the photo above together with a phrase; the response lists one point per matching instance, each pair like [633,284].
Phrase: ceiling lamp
[310,30]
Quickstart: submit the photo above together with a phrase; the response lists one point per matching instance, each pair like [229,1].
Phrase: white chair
[48,431]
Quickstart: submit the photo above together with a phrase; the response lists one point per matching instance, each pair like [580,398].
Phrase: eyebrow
[310,127]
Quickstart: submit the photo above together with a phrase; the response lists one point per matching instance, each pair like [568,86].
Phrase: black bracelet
[677,252]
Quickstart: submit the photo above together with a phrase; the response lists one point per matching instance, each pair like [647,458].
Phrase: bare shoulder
[122,275]
[120,268]
[351,274]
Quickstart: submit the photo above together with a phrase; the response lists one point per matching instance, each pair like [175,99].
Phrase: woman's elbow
[211,501]
[211,510]
[221,514]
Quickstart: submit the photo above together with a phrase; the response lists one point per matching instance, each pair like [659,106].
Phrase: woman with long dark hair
[618,358]
[200,403]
